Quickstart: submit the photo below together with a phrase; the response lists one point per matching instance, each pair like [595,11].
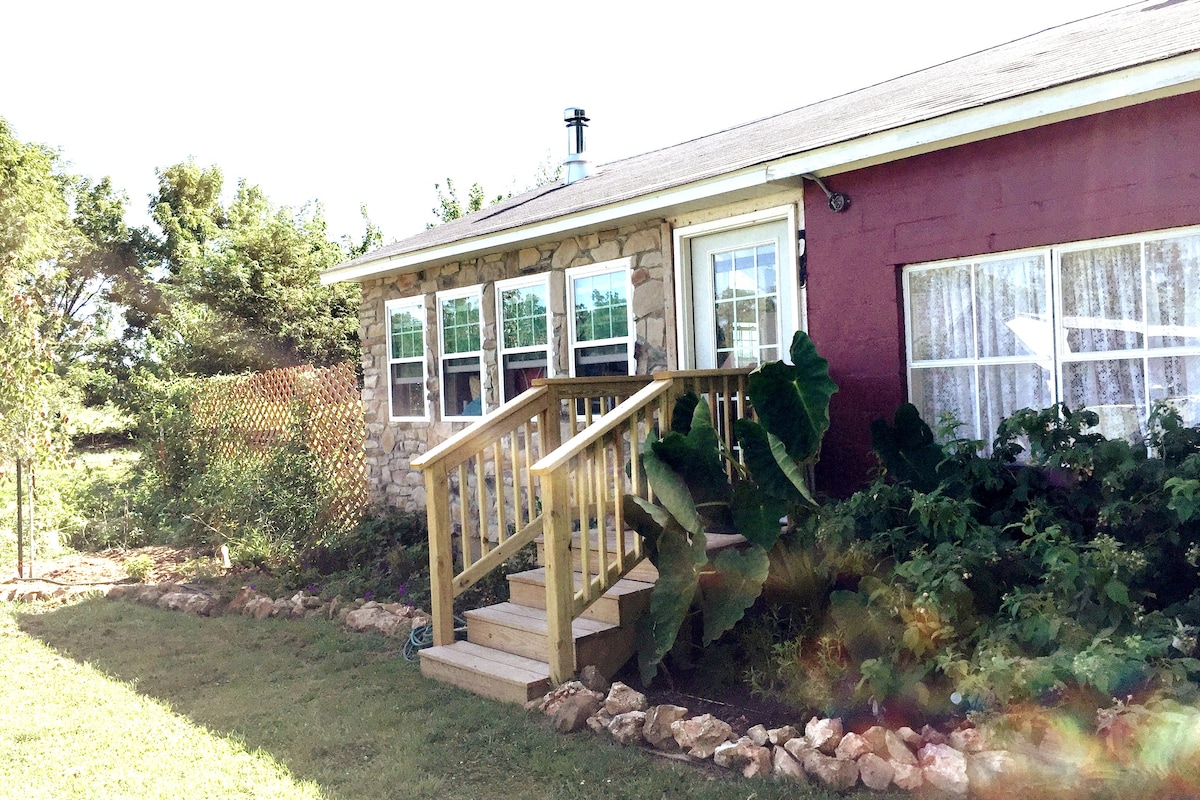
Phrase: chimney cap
[575,115]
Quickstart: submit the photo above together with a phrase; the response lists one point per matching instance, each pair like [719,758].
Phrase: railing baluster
[517,470]
[464,537]
[501,520]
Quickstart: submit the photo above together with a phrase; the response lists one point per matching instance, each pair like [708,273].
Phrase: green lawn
[112,700]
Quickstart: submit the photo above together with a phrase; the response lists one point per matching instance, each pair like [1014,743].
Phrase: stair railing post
[560,584]
[441,554]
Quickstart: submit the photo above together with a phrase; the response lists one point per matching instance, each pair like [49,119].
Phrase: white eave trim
[1140,84]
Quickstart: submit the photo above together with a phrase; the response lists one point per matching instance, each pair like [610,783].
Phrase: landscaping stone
[591,677]
[944,768]
[782,735]
[968,740]
[836,773]
[852,746]
[745,755]
[622,699]
[259,608]
[758,734]
[201,605]
[875,772]
[657,730]
[823,734]
[784,765]
[989,770]
[239,601]
[558,696]
[699,736]
[572,714]
[931,735]
[599,722]
[910,737]
[627,727]
[907,777]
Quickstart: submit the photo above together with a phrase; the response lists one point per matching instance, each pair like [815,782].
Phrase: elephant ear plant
[687,471]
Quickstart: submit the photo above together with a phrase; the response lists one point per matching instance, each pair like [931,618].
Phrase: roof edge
[1166,77]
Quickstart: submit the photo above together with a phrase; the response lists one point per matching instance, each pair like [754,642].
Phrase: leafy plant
[687,471]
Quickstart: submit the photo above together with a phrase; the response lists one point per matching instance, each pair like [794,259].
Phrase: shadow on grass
[349,713]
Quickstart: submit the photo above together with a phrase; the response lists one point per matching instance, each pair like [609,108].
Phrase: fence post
[20,522]
[560,584]
[441,554]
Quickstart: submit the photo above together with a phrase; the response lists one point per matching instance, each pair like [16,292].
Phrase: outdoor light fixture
[577,166]
[838,202]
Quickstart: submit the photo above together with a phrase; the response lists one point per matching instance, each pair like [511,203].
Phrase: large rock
[599,721]
[989,771]
[876,773]
[944,768]
[823,734]
[799,749]
[745,755]
[836,773]
[239,601]
[174,601]
[852,746]
[627,727]
[259,608]
[785,766]
[558,696]
[573,712]
[907,777]
[782,735]
[622,699]
[591,677]
[910,737]
[149,595]
[758,734]
[699,736]
[968,740]
[200,604]
[658,726]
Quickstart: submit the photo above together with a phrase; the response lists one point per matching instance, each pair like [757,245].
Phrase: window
[406,357]
[1111,326]
[524,333]
[746,298]
[601,328]
[460,325]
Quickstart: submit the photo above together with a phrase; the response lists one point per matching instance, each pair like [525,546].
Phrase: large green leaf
[770,465]
[907,448]
[734,587]
[680,559]
[792,400]
[670,489]
[696,457]
[647,519]
[756,514]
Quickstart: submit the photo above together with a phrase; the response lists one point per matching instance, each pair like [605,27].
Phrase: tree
[449,207]
[243,282]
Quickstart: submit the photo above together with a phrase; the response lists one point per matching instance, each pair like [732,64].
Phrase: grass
[107,699]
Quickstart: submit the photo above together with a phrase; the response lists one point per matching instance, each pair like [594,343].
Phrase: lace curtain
[983,335]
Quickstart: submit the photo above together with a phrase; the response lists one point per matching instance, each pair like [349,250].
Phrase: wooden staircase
[503,656]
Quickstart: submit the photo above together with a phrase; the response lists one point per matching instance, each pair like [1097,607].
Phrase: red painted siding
[1126,171]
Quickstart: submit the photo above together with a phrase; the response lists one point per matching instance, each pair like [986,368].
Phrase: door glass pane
[1114,389]
[1173,292]
[1102,299]
[940,306]
[746,306]
[1011,308]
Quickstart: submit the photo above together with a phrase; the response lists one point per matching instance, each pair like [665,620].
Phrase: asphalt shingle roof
[1127,37]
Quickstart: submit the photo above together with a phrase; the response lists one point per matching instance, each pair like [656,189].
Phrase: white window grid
[619,266]
[443,298]
[416,306]
[528,282]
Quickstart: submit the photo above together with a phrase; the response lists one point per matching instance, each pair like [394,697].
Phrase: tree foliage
[449,207]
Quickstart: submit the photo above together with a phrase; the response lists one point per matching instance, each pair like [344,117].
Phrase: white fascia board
[558,226]
[1166,78]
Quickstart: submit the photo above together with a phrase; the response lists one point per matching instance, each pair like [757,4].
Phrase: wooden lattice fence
[250,415]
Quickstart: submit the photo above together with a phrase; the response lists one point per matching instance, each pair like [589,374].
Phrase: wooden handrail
[481,432]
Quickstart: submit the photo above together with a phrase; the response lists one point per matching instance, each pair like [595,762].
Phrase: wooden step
[620,605]
[521,630]
[644,571]
[487,672]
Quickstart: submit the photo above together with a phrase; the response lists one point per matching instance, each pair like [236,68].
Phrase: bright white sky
[353,101]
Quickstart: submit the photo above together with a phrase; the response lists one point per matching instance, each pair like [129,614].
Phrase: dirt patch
[166,565]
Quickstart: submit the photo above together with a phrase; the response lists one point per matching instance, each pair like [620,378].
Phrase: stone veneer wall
[390,446]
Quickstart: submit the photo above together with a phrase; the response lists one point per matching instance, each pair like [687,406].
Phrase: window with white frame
[601,319]
[406,357]
[522,308]
[1111,326]
[460,327]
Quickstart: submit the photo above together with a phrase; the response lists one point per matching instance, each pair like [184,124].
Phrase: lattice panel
[246,416]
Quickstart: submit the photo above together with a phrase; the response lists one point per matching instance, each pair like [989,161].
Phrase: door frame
[794,315]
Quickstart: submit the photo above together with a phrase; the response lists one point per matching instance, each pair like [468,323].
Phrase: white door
[743,295]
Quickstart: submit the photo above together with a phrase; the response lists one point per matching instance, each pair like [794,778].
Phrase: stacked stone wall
[391,445]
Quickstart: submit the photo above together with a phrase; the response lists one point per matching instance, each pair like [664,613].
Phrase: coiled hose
[422,637]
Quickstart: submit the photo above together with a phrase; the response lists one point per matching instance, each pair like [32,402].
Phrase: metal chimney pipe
[577,166]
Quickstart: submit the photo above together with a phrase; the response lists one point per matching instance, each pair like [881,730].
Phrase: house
[1013,228]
